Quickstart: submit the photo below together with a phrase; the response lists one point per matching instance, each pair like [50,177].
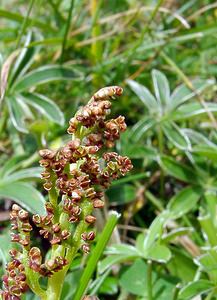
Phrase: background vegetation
[54,55]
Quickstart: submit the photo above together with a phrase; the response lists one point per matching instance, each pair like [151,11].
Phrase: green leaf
[121,194]
[11,165]
[5,71]
[17,114]
[45,106]
[190,110]
[161,88]
[211,201]
[173,234]
[17,17]
[130,178]
[109,286]
[25,58]
[181,265]
[159,253]
[206,152]
[45,74]
[208,263]
[196,288]
[5,246]
[70,285]
[184,201]
[140,128]
[208,229]
[154,232]
[198,138]
[182,93]
[176,136]
[121,249]
[144,95]
[30,173]
[178,170]
[134,279]
[25,195]
[109,261]
[137,151]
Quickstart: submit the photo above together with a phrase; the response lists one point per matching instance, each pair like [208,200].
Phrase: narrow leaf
[45,74]
[196,288]
[30,173]
[144,95]
[154,232]
[182,93]
[176,136]
[25,58]
[178,170]
[17,17]
[5,73]
[161,87]
[45,106]
[190,110]
[17,114]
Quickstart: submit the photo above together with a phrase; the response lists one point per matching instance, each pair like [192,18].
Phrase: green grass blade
[97,252]
[19,19]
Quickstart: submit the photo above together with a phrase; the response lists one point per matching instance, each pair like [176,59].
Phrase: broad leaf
[159,253]
[25,195]
[184,201]
[134,279]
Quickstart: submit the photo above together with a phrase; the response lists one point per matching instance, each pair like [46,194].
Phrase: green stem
[149,279]
[161,146]
[96,254]
[23,28]
[176,292]
[154,200]
[67,30]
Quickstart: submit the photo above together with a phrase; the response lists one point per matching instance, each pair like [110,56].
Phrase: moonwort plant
[75,177]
